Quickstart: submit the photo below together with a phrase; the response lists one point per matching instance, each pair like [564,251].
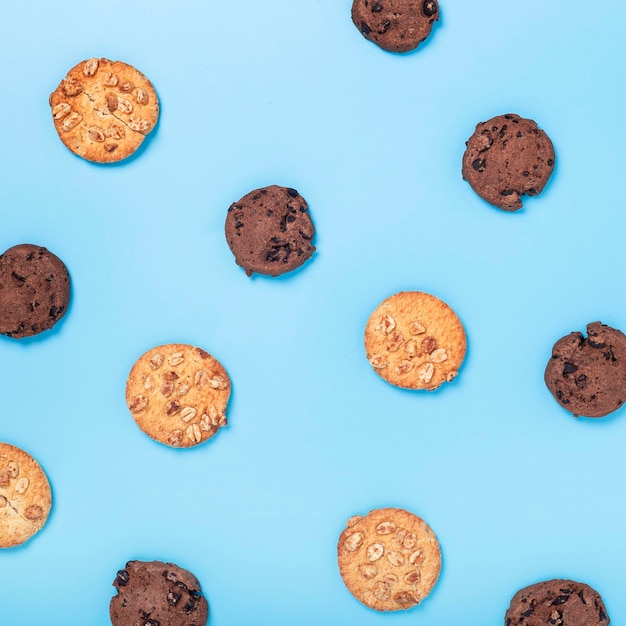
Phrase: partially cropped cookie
[25,496]
[389,559]
[270,231]
[34,290]
[414,340]
[103,110]
[557,603]
[587,375]
[395,25]
[152,593]
[178,394]
[506,158]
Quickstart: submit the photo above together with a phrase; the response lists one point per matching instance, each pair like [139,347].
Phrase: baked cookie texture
[587,375]
[270,231]
[103,110]
[389,559]
[414,340]
[506,158]
[557,603]
[178,394]
[25,496]
[34,290]
[395,25]
[153,593]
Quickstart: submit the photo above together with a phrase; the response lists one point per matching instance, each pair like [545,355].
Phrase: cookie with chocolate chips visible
[557,602]
[157,594]
[506,158]
[395,25]
[270,231]
[587,375]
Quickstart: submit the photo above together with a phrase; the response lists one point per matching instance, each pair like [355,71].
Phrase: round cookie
[34,290]
[587,375]
[389,560]
[178,394]
[270,231]
[395,25]
[414,340]
[25,496]
[506,158]
[104,109]
[557,602]
[152,593]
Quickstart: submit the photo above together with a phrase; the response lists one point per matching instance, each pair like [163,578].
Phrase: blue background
[289,93]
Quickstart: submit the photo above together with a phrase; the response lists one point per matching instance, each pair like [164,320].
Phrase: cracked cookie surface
[178,394]
[389,559]
[414,340]
[153,593]
[25,496]
[103,110]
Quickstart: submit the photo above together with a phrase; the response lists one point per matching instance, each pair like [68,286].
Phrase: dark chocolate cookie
[34,290]
[557,603]
[157,594]
[270,231]
[587,375]
[507,157]
[395,25]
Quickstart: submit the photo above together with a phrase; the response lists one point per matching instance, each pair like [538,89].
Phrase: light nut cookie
[25,496]
[103,110]
[414,340]
[178,394]
[389,559]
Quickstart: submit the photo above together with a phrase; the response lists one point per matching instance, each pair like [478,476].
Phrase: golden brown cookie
[389,560]
[25,496]
[104,109]
[178,394]
[415,340]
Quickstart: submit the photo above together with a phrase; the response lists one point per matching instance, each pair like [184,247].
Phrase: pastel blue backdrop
[288,92]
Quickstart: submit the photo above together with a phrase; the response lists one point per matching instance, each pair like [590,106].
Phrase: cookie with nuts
[395,25]
[178,394]
[414,340]
[25,496]
[153,593]
[389,559]
[103,110]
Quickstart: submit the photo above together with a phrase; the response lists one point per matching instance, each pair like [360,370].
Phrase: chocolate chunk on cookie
[152,593]
[389,559]
[178,394]
[270,231]
[508,157]
[395,25]
[557,602]
[34,290]
[414,340]
[103,110]
[587,375]
[25,496]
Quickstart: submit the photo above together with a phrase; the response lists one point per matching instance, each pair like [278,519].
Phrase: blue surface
[288,92]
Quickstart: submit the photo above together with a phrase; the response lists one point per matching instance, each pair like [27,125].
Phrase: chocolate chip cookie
[389,559]
[557,603]
[25,496]
[395,25]
[508,157]
[103,110]
[414,340]
[587,375]
[152,593]
[270,231]
[34,290]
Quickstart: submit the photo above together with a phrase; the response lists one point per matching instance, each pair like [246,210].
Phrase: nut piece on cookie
[389,559]
[414,340]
